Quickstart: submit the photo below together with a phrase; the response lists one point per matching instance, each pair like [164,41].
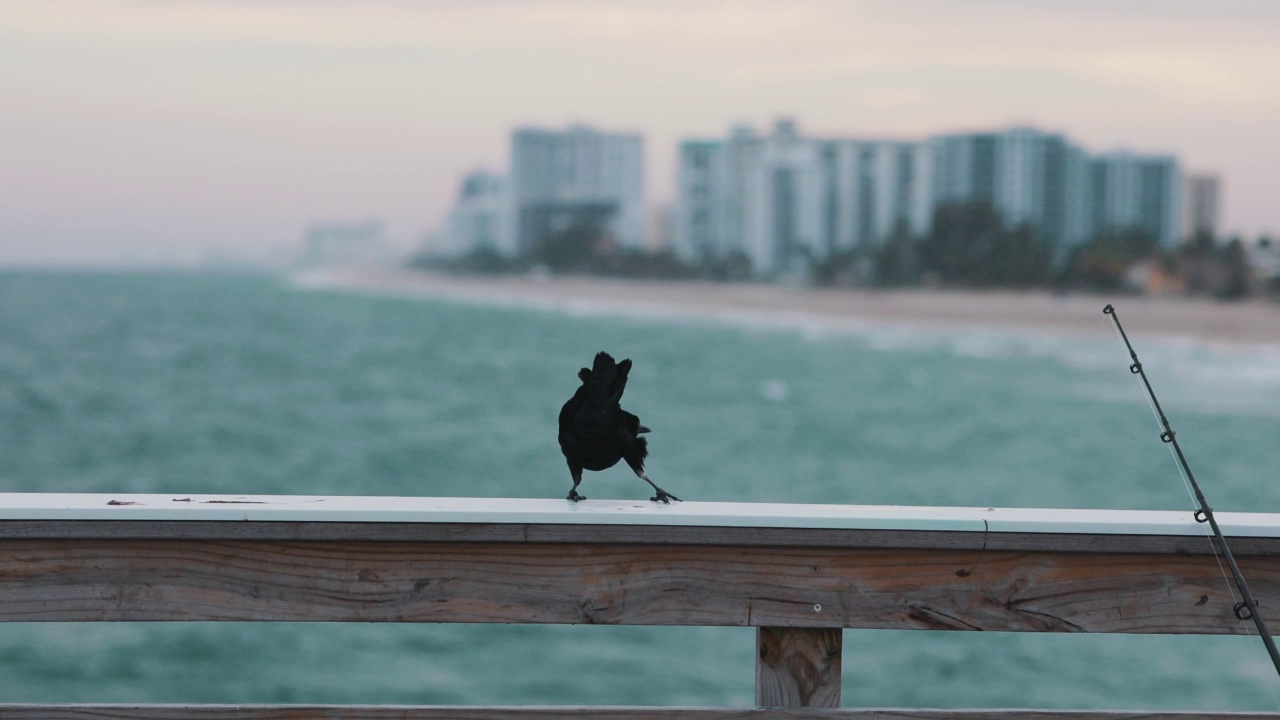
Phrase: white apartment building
[1028,176]
[783,189]
[878,186]
[1128,191]
[783,200]
[578,175]
[709,217]
[483,217]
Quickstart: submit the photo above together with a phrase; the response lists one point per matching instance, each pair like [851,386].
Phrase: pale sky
[162,130]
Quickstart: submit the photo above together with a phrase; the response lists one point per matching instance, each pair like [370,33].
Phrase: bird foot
[574,496]
[664,497]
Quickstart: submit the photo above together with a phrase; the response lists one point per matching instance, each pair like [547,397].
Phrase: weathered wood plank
[798,667]
[625,534]
[405,712]
[819,587]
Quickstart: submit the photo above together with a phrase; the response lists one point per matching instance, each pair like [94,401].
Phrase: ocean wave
[1205,369]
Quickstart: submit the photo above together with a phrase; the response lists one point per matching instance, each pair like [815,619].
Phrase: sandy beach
[1242,323]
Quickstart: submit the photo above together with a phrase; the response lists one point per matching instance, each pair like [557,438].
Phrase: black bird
[595,432]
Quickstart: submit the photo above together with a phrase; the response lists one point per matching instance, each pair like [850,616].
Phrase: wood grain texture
[622,584]
[624,534]
[798,667]
[404,712]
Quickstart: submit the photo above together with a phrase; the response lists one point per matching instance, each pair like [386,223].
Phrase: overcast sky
[163,130]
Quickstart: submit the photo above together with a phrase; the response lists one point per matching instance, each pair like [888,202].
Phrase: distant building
[1028,176]
[574,176]
[1201,205]
[709,220]
[437,243]
[482,218]
[558,179]
[1264,261]
[783,200]
[1136,192]
[343,243]
[879,186]
[965,167]
[1064,218]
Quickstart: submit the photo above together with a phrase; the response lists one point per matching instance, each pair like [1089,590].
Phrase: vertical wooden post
[798,667]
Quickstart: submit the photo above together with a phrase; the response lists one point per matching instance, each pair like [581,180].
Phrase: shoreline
[1247,323]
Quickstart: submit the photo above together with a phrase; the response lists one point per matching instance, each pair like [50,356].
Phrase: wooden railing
[798,574]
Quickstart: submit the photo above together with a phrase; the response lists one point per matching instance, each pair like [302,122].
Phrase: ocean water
[205,383]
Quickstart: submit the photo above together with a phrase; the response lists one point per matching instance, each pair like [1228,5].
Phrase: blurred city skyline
[164,132]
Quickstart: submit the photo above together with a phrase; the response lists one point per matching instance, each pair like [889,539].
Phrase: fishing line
[1247,608]
[1186,485]
[1208,534]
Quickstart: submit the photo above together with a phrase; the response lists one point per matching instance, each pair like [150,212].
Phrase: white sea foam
[1202,373]
[775,390]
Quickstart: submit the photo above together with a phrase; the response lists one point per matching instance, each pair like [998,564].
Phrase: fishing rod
[1247,608]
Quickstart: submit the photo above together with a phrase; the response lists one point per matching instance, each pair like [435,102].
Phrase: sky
[172,131]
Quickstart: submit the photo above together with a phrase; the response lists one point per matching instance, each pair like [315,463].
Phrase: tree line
[969,246]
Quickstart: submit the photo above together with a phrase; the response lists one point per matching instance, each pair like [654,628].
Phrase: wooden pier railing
[799,574]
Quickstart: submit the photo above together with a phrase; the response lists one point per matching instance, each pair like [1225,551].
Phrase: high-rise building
[1028,176]
[700,206]
[878,186]
[964,167]
[577,176]
[709,220]
[482,218]
[1063,219]
[1136,192]
[783,200]
[784,189]
[1201,205]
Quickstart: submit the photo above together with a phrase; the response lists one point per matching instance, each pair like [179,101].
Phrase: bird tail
[602,391]
[609,379]
[639,451]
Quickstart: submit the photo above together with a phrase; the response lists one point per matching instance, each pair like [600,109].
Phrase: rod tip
[1108,310]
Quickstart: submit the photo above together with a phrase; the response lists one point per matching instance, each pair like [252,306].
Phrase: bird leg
[577,478]
[663,496]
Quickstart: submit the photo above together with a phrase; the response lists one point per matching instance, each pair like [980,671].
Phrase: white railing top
[377,509]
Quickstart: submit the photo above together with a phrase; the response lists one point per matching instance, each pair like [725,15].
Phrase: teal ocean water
[202,383]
